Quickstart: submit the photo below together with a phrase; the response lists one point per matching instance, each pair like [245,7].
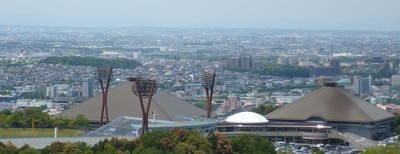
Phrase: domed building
[253,123]
[246,117]
[243,121]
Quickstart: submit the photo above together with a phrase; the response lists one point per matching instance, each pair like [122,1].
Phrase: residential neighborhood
[364,63]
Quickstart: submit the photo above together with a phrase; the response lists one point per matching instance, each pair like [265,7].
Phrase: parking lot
[308,149]
[389,141]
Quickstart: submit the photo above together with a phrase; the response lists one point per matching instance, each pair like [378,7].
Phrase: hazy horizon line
[373,24]
[202,27]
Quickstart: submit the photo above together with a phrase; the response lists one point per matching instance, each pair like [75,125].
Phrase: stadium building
[328,115]
[122,102]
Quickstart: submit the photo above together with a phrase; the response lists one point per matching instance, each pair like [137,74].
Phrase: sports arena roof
[333,104]
[246,117]
[122,102]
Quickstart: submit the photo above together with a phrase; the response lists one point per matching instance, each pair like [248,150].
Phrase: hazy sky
[298,14]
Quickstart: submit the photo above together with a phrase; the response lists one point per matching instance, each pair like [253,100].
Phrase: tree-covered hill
[277,70]
[92,61]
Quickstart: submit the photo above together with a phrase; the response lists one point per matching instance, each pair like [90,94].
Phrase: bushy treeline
[277,70]
[92,61]
[265,108]
[10,148]
[34,117]
[175,141]
[393,149]
[34,95]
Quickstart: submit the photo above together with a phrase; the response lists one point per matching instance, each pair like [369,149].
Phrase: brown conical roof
[331,104]
[122,102]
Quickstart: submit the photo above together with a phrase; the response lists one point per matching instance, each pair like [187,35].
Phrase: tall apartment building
[335,64]
[256,65]
[137,55]
[87,88]
[246,62]
[287,60]
[230,104]
[235,62]
[52,91]
[362,85]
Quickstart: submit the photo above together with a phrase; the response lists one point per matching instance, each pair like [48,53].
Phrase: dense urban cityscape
[54,68]
[200,77]
[273,66]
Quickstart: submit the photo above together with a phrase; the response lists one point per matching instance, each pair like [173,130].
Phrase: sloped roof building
[335,107]
[327,115]
[122,102]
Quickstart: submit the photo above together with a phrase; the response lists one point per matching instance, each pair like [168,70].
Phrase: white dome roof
[246,117]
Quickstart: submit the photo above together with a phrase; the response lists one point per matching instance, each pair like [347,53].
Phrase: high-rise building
[256,65]
[362,85]
[52,91]
[333,69]
[235,62]
[399,68]
[48,91]
[281,60]
[287,60]
[232,103]
[220,87]
[247,61]
[87,88]
[74,93]
[136,55]
[335,64]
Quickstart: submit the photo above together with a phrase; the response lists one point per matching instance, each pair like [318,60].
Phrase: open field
[37,132]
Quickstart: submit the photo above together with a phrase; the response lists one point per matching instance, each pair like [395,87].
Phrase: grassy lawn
[37,132]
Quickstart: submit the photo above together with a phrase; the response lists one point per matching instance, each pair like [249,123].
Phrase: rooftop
[331,103]
[246,117]
[122,102]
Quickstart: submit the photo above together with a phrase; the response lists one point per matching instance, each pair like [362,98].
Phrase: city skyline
[310,14]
